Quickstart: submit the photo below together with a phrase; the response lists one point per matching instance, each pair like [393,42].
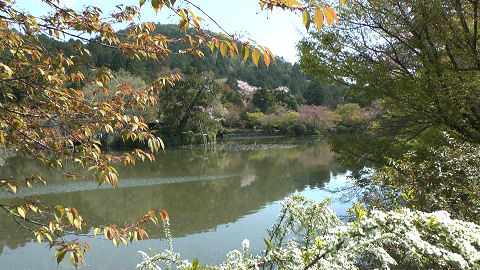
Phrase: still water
[215,198]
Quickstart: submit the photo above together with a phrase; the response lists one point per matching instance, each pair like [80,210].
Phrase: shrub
[255,119]
[308,235]
[286,122]
[299,129]
[349,117]
[318,117]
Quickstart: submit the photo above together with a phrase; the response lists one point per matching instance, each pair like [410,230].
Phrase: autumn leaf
[318,17]
[256,56]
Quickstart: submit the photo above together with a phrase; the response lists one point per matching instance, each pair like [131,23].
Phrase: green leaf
[73,259]
[60,254]
[318,242]
[245,53]
[195,264]
[269,244]
[306,19]
[155,4]
[256,56]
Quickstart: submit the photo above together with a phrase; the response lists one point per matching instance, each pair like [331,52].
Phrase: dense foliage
[419,58]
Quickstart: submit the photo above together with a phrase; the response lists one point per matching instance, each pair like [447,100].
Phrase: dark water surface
[215,198]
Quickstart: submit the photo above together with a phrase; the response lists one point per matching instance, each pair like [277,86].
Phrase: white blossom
[308,233]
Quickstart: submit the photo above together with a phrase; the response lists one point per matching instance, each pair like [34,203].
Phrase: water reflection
[204,190]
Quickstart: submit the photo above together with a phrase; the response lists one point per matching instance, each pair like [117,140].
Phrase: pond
[215,198]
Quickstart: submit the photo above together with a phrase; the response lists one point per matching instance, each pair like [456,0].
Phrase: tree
[44,114]
[264,99]
[179,103]
[316,94]
[420,58]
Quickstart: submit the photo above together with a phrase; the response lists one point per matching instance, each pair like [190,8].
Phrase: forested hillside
[281,73]
[278,99]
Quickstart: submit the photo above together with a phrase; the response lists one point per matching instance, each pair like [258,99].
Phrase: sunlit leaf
[223,49]
[256,56]
[328,16]
[318,17]
[266,59]
[73,259]
[21,211]
[245,53]
[60,254]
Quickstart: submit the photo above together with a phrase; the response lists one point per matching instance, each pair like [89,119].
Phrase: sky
[278,30]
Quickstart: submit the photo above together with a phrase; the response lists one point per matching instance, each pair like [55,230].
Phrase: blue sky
[277,30]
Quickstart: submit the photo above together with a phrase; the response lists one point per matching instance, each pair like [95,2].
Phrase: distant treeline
[282,73]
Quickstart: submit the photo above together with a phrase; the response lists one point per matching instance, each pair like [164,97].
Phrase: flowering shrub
[308,235]
[320,117]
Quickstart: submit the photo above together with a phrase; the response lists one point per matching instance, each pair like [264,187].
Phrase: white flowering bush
[308,235]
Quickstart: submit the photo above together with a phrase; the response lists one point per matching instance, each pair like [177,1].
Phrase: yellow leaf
[328,16]
[34,208]
[21,211]
[69,216]
[73,259]
[13,187]
[39,238]
[49,237]
[7,69]
[211,45]
[256,56]
[318,17]
[223,49]
[115,241]
[77,223]
[333,13]
[293,2]
[124,241]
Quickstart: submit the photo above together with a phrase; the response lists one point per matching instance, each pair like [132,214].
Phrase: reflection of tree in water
[259,178]
[362,154]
